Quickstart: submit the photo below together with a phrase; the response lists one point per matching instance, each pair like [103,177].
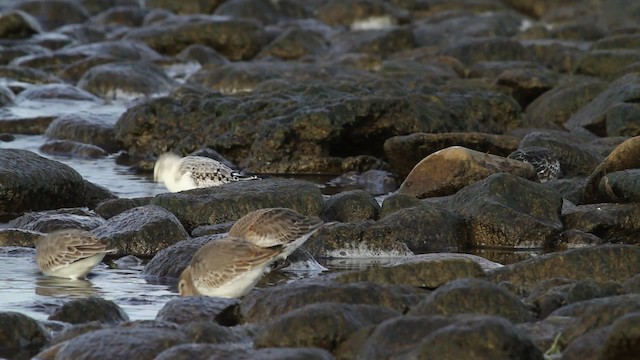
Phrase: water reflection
[58,287]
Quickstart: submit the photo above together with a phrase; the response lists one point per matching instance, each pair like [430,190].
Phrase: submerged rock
[90,309]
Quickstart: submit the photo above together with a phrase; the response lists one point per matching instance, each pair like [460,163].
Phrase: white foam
[364,251]
[373,23]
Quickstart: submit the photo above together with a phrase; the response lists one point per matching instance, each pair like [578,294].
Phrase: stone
[115,80]
[89,309]
[16,24]
[85,128]
[52,220]
[22,336]
[350,206]
[614,223]
[200,308]
[72,149]
[621,158]
[112,207]
[170,261]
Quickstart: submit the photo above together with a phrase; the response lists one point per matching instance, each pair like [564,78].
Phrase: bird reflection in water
[60,287]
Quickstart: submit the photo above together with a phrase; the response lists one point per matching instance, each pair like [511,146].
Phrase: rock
[52,14]
[21,335]
[621,158]
[115,80]
[126,15]
[606,63]
[170,261]
[48,221]
[142,231]
[123,343]
[477,337]
[205,230]
[17,237]
[459,167]
[504,210]
[395,202]
[263,10]
[112,207]
[269,303]
[473,296]
[383,42]
[86,128]
[620,120]
[614,223]
[525,85]
[623,340]
[571,189]
[427,272]
[184,7]
[405,151]
[592,115]
[241,352]
[473,50]
[210,332]
[89,309]
[76,330]
[17,24]
[200,308]
[350,206]
[233,200]
[30,182]
[202,54]
[554,107]
[600,264]
[323,325]
[72,149]
[295,43]
[350,13]
[375,182]
[574,239]
[237,39]
[632,285]
[545,333]
[56,92]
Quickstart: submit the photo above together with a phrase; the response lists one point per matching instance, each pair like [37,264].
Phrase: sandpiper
[191,172]
[231,266]
[544,162]
[70,253]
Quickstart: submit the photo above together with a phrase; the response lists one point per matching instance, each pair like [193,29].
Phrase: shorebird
[231,266]
[191,172]
[544,162]
[70,253]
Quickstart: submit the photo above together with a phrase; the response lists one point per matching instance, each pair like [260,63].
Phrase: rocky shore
[421,101]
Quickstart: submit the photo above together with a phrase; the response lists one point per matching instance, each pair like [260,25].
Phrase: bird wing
[62,249]
[274,227]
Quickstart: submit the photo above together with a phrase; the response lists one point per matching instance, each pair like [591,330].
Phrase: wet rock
[112,207]
[200,308]
[30,182]
[620,120]
[206,7]
[89,309]
[395,202]
[375,182]
[571,189]
[86,128]
[18,237]
[405,151]
[473,50]
[210,332]
[473,296]
[632,285]
[623,340]
[203,351]
[205,230]
[507,211]
[600,264]
[125,15]
[52,14]
[429,272]
[595,313]
[384,42]
[237,39]
[575,158]
[115,79]
[525,85]
[21,335]
[459,167]
[202,54]
[56,92]
[76,330]
[268,303]
[621,158]
[170,261]
[18,25]
[264,11]
[48,221]
[124,343]
[350,206]
[573,239]
[592,116]
[323,325]
[4,137]
[614,223]
[606,63]
[295,43]
[142,231]
[482,336]
[73,149]
[128,262]
[233,200]
[555,107]
[357,13]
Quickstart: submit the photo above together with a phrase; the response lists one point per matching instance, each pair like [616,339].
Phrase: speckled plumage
[231,266]
[69,253]
[190,172]
[544,162]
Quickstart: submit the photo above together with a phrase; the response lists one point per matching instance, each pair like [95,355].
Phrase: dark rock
[525,85]
[210,332]
[114,79]
[620,120]
[17,237]
[350,206]
[473,50]
[200,308]
[22,336]
[621,158]
[77,329]
[206,7]
[507,211]
[263,10]
[29,182]
[231,201]
[383,42]
[7,137]
[323,325]
[266,304]
[296,43]
[587,346]
[202,54]
[124,343]
[48,221]
[546,333]
[113,207]
[614,223]
[52,14]
[375,182]
[606,63]
[623,340]
[573,239]
[142,231]
[73,149]
[430,272]
[205,230]
[18,25]
[200,351]
[571,189]
[237,39]
[56,92]
[458,167]
[600,264]
[347,13]
[86,128]
[473,296]
[395,202]
[27,75]
[125,15]
[405,151]
[622,186]
[170,261]
[632,285]
[89,309]
[477,337]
